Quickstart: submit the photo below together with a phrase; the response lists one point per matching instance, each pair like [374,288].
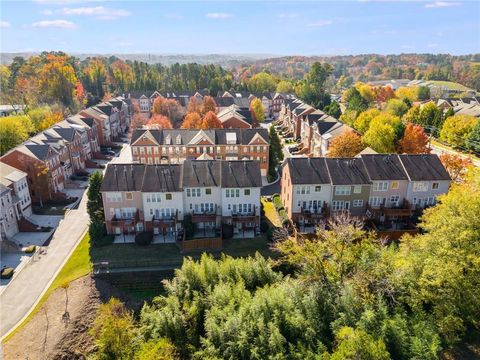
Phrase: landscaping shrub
[7,273]
[105,240]
[144,238]
[264,226]
[270,233]
[31,249]
[189,226]
[227,231]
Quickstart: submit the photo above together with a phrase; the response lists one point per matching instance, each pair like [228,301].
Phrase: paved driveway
[25,289]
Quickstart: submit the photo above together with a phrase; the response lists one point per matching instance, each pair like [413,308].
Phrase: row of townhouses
[156,198]
[382,187]
[311,126]
[235,100]
[461,106]
[16,203]
[66,149]
[159,146]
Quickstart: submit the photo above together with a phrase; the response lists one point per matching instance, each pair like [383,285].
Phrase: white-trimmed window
[420,186]
[318,188]
[343,190]
[380,186]
[435,186]
[338,205]
[375,200]
[394,185]
[357,203]
[357,189]
[114,197]
[128,196]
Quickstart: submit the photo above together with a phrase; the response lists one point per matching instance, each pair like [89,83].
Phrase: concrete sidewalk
[22,293]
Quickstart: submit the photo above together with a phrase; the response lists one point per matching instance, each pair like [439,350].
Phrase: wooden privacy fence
[202,244]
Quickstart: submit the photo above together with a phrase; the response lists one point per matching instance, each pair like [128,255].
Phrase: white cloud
[288,15]
[46,12]
[64,24]
[4,24]
[442,4]
[218,15]
[100,12]
[320,23]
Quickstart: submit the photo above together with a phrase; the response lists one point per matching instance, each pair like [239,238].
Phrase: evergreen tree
[275,153]
[95,202]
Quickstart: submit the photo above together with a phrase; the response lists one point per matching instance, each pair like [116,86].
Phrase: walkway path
[18,298]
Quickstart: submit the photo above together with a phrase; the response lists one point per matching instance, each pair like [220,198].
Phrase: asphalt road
[18,298]
[439,151]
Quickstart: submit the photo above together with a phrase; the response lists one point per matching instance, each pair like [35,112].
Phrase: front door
[347,205]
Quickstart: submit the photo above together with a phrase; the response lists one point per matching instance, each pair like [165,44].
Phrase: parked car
[109,152]
[292,149]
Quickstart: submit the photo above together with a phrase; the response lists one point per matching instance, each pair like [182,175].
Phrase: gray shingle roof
[347,171]
[384,167]
[424,167]
[244,136]
[308,170]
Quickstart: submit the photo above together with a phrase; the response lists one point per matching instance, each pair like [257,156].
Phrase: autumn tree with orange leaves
[348,144]
[160,122]
[456,165]
[383,93]
[57,81]
[169,108]
[192,120]
[211,121]
[414,140]
[194,105]
[209,104]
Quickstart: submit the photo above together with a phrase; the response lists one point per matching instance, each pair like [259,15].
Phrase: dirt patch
[59,330]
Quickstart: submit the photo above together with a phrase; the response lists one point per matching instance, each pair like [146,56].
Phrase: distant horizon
[273,28]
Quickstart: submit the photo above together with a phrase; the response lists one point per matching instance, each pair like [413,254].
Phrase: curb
[46,287]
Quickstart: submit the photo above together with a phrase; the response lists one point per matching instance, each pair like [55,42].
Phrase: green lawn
[449,84]
[77,265]
[132,255]
[270,213]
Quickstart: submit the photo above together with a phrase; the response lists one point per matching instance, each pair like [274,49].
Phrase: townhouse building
[157,146]
[16,181]
[8,220]
[15,200]
[382,187]
[428,179]
[235,117]
[102,122]
[41,162]
[156,198]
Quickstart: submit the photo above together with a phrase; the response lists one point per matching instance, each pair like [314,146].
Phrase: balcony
[313,212]
[126,221]
[164,220]
[244,216]
[204,215]
[405,209]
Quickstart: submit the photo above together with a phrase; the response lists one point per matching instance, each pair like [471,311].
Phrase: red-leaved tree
[192,121]
[160,122]
[211,121]
[414,140]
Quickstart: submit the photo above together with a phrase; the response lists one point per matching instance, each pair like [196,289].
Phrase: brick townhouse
[153,146]
[41,162]
[15,200]
[143,197]
[383,187]
[313,128]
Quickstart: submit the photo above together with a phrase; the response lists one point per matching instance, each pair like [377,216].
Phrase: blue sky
[241,27]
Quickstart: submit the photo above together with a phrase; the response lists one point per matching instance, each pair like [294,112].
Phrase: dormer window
[178,140]
[168,140]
